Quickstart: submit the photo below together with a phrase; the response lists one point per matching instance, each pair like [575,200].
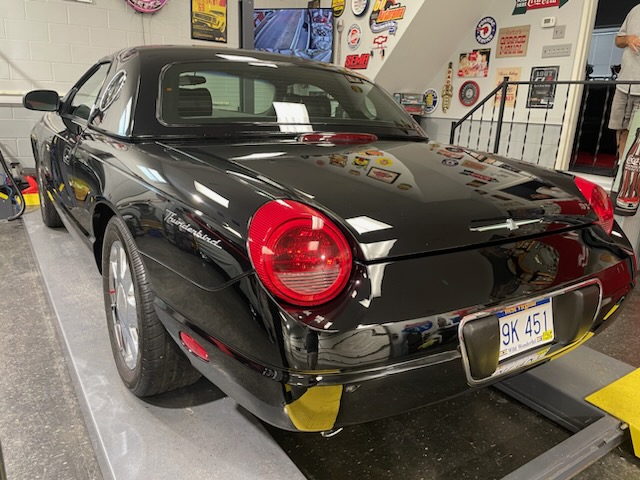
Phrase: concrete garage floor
[42,431]
[485,435]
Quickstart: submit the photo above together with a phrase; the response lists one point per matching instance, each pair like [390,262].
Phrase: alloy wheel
[124,313]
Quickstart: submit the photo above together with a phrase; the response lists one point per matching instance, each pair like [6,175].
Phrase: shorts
[622,110]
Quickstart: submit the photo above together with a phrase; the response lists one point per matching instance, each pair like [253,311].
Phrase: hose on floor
[17,197]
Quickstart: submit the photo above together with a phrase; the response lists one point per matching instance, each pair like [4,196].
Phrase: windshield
[292,98]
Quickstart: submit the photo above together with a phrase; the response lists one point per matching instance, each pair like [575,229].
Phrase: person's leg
[617,118]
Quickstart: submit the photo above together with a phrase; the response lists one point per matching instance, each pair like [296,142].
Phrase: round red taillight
[298,253]
[599,202]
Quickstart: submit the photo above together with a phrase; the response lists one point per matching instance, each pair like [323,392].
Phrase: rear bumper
[320,400]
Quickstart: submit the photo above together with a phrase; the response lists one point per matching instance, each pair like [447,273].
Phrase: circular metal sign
[486,30]
[359,7]
[469,93]
[338,7]
[353,36]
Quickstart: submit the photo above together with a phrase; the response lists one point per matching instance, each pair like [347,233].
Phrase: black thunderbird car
[283,228]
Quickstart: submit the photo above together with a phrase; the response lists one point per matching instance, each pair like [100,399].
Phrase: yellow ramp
[622,400]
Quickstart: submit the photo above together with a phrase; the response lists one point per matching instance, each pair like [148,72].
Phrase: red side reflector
[337,138]
[194,347]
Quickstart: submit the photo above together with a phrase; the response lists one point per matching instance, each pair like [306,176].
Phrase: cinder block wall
[51,43]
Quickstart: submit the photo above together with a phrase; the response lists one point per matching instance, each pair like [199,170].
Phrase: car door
[75,112]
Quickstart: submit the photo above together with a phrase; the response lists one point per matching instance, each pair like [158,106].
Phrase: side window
[87,93]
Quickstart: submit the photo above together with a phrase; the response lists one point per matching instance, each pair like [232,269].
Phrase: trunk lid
[401,198]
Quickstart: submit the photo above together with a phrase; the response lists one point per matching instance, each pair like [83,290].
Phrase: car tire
[50,216]
[148,360]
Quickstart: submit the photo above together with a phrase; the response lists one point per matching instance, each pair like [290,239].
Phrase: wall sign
[627,182]
[359,7]
[513,74]
[431,101]
[146,6]
[469,93]
[513,41]
[209,20]
[486,30]
[353,36]
[447,90]
[523,6]
[542,95]
[357,62]
[474,64]
[338,7]
[380,44]
[413,103]
[385,16]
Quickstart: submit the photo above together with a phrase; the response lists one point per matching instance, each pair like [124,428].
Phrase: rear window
[249,90]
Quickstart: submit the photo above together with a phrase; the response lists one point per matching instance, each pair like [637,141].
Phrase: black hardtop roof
[154,54]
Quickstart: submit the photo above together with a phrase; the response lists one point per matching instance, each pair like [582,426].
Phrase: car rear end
[367,333]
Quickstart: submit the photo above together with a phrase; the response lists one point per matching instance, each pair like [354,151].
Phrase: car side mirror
[41,100]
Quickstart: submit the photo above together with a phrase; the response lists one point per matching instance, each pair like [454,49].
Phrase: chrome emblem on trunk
[510,224]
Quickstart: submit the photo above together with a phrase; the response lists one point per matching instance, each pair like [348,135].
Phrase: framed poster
[209,20]
[475,63]
[413,103]
[513,73]
[513,41]
[542,95]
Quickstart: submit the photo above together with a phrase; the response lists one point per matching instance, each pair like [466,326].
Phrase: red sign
[533,4]
[357,62]
[523,6]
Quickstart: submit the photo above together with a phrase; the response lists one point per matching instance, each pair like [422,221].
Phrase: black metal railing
[494,128]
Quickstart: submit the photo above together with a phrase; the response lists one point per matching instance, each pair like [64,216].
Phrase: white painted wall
[377,64]
[502,10]
[50,44]
[440,32]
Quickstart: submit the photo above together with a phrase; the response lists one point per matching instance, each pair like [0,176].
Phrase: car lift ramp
[558,390]
[136,439]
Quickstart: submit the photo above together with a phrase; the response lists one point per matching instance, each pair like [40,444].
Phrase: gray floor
[144,439]
[42,432]
[480,436]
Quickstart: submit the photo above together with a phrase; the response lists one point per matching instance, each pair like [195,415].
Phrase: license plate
[524,327]
[520,362]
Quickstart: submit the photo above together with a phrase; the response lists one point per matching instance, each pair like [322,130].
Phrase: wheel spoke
[124,311]
[124,267]
[113,280]
[127,287]
[130,316]
[118,331]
